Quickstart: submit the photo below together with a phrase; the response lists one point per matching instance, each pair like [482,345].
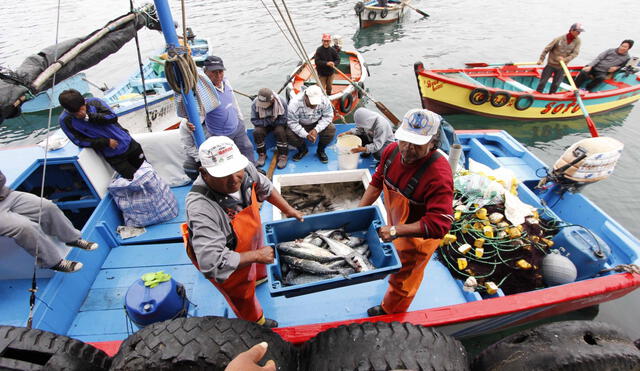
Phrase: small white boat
[375,12]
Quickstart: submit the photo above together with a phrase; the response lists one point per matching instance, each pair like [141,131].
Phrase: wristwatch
[393,232]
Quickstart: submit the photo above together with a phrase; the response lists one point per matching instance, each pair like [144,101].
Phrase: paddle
[416,9]
[252,97]
[484,64]
[394,120]
[576,92]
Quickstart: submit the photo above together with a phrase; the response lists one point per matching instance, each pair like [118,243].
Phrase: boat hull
[374,15]
[451,91]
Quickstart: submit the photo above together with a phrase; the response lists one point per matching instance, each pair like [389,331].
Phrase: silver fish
[362,249]
[305,250]
[354,242]
[303,278]
[309,266]
[357,261]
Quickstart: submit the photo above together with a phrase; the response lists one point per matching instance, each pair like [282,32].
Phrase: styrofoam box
[337,176]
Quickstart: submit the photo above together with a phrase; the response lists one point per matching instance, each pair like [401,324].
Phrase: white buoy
[558,270]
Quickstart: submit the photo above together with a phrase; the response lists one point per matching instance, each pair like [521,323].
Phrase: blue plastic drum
[146,305]
[587,251]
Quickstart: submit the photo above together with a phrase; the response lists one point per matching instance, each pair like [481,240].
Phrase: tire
[383,346]
[371,15]
[568,345]
[523,102]
[361,90]
[479,96]
[359,7]
[346,102]
[500,98]
[31,349]
[199,343]
[384,12]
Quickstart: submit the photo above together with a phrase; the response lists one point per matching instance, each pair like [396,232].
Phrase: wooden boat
[344,96]
[508,92]
[371,13]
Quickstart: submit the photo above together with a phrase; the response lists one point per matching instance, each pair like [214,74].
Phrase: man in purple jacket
[91,123]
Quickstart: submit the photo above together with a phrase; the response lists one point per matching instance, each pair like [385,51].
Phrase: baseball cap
[418,126]
[221,157]
[314,93]
[326,37]
[576,27]
[264,98]
[213,63]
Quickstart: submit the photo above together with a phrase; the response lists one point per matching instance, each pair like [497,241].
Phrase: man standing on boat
[269,113]
[418,195]
[31,220]
[325,59]
[224,228]
[219,106]
[91,123]
[562,48]
[609,61]
[309,116]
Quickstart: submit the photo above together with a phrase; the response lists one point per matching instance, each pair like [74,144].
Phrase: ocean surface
[257,55]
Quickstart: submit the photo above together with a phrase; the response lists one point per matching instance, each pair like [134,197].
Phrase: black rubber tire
[359,7]
[500,98]
[567,345]
[361,90]
[346,101]
[383,346]
[527,99]
[371,15]
[479,96]
[384,12]
[199,343]
[31,349]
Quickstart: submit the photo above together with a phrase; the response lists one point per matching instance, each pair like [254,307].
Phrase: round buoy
[558,270]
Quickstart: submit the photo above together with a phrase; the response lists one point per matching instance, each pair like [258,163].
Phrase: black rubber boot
[376,311]
[302,151]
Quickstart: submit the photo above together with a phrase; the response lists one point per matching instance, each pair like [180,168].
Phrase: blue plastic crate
[363,221]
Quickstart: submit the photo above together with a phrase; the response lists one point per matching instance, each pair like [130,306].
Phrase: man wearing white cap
[309,116]
[418,195]
[224,229]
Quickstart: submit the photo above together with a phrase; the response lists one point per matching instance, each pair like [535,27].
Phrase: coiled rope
[180,69]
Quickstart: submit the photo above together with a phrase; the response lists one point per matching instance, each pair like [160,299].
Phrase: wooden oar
[484,64]
[385,111]
[252,97]
[424,14]
[576,92]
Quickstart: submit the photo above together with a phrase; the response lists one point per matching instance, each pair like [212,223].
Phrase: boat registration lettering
[434,84]
[554,109]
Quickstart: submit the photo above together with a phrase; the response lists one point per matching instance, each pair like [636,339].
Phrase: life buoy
[478,96]
[361,90]
[372,15]
[500,98]
[384,12]
[523,102]
[346,102]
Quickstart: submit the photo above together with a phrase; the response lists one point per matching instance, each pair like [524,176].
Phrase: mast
[170,36]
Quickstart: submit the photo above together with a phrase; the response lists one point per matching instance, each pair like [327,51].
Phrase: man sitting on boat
[218,105]
[31,221]
[562,48]
[609,61]
[325,59]
[309,116]
[225,231]
[418,193]
[91,123]
[374,130]
[269,113]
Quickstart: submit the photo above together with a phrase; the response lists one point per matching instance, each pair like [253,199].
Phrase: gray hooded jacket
[377,128]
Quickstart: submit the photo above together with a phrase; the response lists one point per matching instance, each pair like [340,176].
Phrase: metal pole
[170,36]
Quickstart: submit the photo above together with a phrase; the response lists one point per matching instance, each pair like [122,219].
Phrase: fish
[308,266]
[338,234]
[354,241]
[357,261]
[362,249]
[303,278]
[305,250]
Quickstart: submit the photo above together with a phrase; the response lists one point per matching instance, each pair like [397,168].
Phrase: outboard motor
[585,162]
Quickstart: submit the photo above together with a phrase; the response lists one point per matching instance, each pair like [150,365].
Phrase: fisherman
[337,44]
[225,234]
[219,106]
[309,116]
[269,113]
[326,58]
[31,221]
[418,194]
[562,48]
[374,130]
[91,123]
[609,61]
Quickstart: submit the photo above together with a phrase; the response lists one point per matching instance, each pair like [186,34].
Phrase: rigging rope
[281,30]
[144,86]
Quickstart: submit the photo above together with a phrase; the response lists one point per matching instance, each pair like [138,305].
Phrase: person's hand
[540,61]
[560,59]
[343,133]
[613,69]
[330,64]
[312,135]
[385,234]
[248,360]
[82,113]
[113,143]
[191,126]
[587,69]
[264,255]
[295,214]
[358,149]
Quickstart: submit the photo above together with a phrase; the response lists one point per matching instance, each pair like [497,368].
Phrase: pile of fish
[319,198]
[321,255]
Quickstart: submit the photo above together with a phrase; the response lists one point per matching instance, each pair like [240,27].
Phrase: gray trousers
[19,220]
[241,139]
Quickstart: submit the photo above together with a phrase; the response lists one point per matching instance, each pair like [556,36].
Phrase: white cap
[418,126]
[314,93]
[221,157]
[337,40]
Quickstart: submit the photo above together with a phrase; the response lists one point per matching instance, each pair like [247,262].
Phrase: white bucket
[346,159]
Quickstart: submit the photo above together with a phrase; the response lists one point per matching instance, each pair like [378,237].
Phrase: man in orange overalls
[418,195]
[225,234]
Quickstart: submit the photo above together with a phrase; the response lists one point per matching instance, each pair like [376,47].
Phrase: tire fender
[523,102]
[359,7]
[371,15]
[360,91]
[500,98]
[346,102]
[479,96]
[384,12]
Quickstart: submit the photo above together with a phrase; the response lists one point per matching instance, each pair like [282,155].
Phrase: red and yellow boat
[508,92]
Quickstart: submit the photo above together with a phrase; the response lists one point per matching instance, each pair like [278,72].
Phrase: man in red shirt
[418,195]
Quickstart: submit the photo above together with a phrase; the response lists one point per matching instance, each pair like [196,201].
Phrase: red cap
[326,37]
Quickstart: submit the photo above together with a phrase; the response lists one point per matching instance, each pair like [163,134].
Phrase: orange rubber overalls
[240,288]
[414,253]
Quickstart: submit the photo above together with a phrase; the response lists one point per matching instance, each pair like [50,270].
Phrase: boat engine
[585,162]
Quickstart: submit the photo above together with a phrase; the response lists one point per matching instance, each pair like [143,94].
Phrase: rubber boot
[283,155]
[322,155]
[302,151]
[262,157]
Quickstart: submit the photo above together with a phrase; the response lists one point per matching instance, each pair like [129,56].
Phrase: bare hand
[82,113]
[191,126]
[344,133]
[587,69]
[560,59]
[295,214]
[248,360]
[613,69]
[263,255]
[540,61]
[384,234]
[330,64]
[113,143]
[313,135]
[358,149]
